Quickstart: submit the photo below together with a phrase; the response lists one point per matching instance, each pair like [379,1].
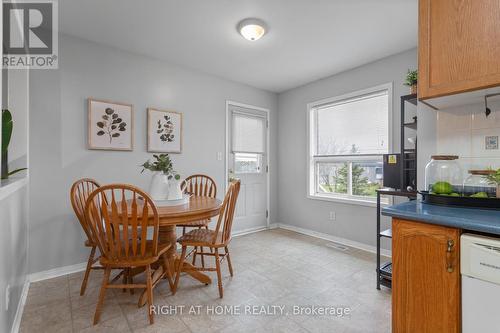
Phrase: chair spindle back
[201,185]
[227,212]
[79,193]
[120,217]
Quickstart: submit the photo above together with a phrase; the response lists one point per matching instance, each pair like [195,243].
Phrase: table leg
[167,234]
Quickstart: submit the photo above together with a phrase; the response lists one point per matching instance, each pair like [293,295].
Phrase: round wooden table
[198,208]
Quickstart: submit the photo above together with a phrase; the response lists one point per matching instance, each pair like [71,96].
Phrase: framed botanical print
[164,131]
[110,125]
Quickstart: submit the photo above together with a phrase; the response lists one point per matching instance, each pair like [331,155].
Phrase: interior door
[247,161]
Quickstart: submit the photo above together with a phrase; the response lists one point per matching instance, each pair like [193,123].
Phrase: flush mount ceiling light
[252,29]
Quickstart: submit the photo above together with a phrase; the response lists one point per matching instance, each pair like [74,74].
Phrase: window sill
[11,185]
[349,201]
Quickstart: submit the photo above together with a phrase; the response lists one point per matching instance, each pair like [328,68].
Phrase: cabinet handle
[449,261]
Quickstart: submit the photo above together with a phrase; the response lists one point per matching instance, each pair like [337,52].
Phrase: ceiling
[307,39]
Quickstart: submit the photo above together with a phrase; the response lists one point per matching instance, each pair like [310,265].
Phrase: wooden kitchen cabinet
[458,46]
[426,278]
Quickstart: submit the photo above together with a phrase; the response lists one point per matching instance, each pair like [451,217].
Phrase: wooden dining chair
[213,239]
[203,186]
[79,193]
[124,222]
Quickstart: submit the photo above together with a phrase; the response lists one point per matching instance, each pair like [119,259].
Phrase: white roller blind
[248,133]
[357,125]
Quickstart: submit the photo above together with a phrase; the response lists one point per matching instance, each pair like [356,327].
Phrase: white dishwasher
[480,268]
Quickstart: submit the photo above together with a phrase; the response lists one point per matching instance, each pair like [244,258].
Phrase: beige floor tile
[83,317]
[268,292]
[54,316]
[207,324]
[91,297]
[47,291]
[115,325]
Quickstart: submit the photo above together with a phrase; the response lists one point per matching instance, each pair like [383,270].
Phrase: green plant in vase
[411,80]
[7,128]
[161,163]
[494,179]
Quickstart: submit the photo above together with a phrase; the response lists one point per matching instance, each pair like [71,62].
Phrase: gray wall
[18,92]
[13,251]
[58,154]
[427,138]
[353,222]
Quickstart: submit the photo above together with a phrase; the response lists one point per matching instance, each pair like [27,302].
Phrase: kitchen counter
[473,219]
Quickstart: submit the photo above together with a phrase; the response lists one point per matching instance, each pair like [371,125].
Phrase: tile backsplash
[467,132]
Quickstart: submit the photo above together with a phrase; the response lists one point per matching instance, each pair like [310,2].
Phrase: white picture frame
[164,131]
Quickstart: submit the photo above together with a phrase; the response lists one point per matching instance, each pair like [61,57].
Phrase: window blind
[354,126]
[248,133]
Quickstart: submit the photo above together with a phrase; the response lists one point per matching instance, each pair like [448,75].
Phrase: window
[247,163]
[347,137]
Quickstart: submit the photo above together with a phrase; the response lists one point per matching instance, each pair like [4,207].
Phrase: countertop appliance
[480,268]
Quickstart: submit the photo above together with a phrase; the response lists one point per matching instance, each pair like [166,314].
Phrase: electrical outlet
[7,297]
[332,216]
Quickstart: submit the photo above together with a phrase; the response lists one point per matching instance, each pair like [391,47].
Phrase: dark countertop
[480,220]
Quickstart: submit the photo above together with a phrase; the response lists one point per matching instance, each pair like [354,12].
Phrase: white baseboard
[335,239]
[20,307]
[56,272]
[248,231]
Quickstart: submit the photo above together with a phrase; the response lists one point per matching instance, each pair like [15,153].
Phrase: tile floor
[272,268]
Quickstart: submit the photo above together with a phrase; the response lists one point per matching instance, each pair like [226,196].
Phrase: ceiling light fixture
[252,29]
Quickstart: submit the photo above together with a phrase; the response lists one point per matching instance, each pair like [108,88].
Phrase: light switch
[219,156]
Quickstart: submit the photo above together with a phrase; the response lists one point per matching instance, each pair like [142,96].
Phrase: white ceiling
[307,39]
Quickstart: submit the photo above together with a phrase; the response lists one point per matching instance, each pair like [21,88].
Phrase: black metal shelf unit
[408,174]
[408,155]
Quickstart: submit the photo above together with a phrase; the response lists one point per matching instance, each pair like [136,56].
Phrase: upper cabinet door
[459,46]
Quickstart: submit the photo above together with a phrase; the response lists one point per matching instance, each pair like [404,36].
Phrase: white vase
[158,188]
[175,190]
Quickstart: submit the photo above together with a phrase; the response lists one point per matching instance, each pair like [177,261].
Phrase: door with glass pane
[247,161]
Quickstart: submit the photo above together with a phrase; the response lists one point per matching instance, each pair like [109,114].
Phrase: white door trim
[268,151]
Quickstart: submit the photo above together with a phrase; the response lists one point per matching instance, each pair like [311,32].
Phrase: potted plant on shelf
[7,127]
[494,179]
[411,80]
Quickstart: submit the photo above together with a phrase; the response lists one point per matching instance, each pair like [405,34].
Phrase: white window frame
[312,161]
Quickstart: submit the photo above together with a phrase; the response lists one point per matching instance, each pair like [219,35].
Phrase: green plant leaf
[100,124]
[7,127]
[16,171]
[411,78]
[109,111]
[100,133]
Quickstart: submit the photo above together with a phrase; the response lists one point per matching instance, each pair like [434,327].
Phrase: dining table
[196,209]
